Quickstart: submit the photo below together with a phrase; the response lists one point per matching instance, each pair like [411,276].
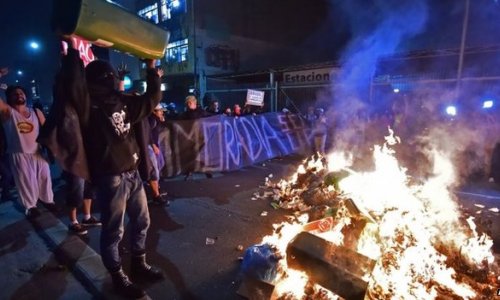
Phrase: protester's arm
[40,115]
[71,82]
[141,106]
[122,72]
[5,110]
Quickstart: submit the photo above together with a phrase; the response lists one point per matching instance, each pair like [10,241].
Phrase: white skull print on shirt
[118,121]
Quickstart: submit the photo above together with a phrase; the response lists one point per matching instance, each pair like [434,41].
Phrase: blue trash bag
[260,262]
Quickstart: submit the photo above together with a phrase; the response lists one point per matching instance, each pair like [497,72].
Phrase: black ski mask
[101,73]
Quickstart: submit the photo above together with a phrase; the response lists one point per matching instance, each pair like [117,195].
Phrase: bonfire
[420,243]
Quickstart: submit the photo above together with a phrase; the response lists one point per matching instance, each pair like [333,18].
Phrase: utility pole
[462,48]
[195,48]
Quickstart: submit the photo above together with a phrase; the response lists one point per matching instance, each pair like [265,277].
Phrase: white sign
[314,76]
[255,97]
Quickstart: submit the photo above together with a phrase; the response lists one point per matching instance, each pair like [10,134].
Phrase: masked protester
[113,153]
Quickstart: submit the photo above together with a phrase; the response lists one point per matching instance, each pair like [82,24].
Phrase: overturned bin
[258,271]
[336,268]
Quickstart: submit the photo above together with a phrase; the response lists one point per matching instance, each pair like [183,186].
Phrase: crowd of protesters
[110,145]
[109,141]
[193,110]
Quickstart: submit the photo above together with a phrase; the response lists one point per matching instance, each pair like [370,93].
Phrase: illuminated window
[150,12]
[184,52]
[170,8]
[177,51]
[165,11]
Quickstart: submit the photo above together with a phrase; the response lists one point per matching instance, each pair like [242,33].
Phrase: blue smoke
[377,28]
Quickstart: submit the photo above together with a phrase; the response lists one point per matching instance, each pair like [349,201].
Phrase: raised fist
[122,71]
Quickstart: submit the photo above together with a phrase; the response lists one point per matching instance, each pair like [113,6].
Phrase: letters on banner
[222,143]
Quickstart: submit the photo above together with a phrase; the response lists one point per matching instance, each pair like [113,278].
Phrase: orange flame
[414,228]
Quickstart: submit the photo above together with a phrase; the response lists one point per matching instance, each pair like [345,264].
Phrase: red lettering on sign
[83,46]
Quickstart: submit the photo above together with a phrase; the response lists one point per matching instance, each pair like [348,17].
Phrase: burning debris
[338,268]
[375,235]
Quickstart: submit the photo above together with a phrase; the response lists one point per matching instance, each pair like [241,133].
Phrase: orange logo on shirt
[25,127]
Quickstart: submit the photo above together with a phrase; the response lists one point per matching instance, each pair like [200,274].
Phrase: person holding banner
[237,110]
[252,110]
[193,111]
[112,154]
[254,103]
[214,107]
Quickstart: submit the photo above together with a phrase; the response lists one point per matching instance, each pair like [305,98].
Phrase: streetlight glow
[451,110]
[34,45]
[488,103]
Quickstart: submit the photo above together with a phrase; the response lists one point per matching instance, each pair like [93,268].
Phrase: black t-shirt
[110,139]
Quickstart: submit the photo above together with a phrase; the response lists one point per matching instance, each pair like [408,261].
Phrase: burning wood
[336,268]
[407,239]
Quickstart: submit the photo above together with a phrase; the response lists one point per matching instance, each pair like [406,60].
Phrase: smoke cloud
[361,110]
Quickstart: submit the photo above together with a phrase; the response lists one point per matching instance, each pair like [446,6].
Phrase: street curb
[72,251]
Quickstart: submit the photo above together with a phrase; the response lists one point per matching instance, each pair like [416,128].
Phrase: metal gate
[229,92]
[297,98]
[294,98]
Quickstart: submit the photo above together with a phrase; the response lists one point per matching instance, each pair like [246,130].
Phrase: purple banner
[221,143]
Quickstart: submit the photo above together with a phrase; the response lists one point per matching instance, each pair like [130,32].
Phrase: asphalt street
[197,241]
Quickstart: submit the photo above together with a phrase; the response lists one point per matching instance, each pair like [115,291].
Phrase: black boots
[140,270]
[125,287]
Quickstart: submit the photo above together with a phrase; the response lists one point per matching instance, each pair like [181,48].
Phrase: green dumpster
[109,25]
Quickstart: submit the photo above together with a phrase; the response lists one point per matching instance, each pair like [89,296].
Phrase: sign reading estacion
[314,76]
[255,97]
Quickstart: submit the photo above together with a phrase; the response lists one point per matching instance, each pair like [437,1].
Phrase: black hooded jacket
[107,118]
[110,138]
[62,131]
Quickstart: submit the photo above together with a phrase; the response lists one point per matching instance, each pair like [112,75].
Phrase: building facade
[208,38]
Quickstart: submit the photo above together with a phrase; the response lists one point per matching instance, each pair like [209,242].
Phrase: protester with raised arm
[113,155]
[30,170]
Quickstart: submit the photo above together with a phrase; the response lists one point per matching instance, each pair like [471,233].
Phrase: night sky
[22,22]
[337,33]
